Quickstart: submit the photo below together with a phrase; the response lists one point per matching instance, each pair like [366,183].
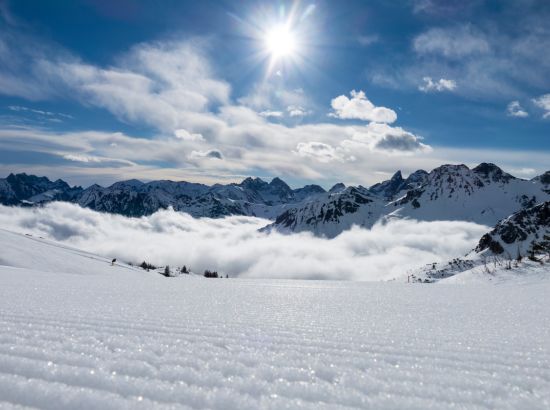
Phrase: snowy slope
[99,337]
[517,248]
[31,252]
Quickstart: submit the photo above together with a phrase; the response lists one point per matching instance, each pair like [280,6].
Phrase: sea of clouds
[234,246]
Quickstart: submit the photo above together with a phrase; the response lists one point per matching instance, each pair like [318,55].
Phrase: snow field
[127,339]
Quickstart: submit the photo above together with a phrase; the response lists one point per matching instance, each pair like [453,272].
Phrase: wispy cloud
[492,59]
[514,109]
[439,85]
[368,40]
[272,114]
[543,102]
[455,42]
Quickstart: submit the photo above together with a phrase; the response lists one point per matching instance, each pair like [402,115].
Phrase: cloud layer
[233,245]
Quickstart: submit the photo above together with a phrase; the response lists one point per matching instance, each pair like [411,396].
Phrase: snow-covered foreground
[89,335]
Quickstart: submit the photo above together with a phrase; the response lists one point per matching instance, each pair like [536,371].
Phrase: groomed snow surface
[77,333]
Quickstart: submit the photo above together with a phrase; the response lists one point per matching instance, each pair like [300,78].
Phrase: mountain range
[484,194]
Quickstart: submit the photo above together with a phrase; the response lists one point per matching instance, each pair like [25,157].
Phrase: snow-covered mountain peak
[418,176]
[330,213]
[128,184]
[483,195]
[337,187]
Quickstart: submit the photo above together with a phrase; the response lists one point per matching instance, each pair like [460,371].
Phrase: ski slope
[76,332]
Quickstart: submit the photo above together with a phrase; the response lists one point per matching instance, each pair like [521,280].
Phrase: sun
[280,42]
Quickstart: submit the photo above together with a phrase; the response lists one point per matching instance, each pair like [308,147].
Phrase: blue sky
[98,91]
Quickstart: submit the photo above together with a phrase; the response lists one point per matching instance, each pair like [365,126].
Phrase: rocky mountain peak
[337,187]
[491,172]
[128,184]
[543,178]
[397,177]
[279,184]
[253,183]
[417,176]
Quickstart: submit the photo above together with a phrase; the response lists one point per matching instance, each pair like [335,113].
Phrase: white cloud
[233,246]
[297,111]
[187,136]
[271,96]
[440,85]
[95,161]
[457,42]
[272,114]
[383,137]
[543,102]
[514,109]
[158,84]
[318,150]
[442,7]
[523,172]
[19,108]
[212,154]
[360,108]
[81,158]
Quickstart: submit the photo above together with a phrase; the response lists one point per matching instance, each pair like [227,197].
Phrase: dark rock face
[487,242]
[390,188]
[23,187]
[532,224]
[545,178]
[488,171]
[412,197]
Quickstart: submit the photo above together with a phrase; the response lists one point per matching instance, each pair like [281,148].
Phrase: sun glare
[280,42]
